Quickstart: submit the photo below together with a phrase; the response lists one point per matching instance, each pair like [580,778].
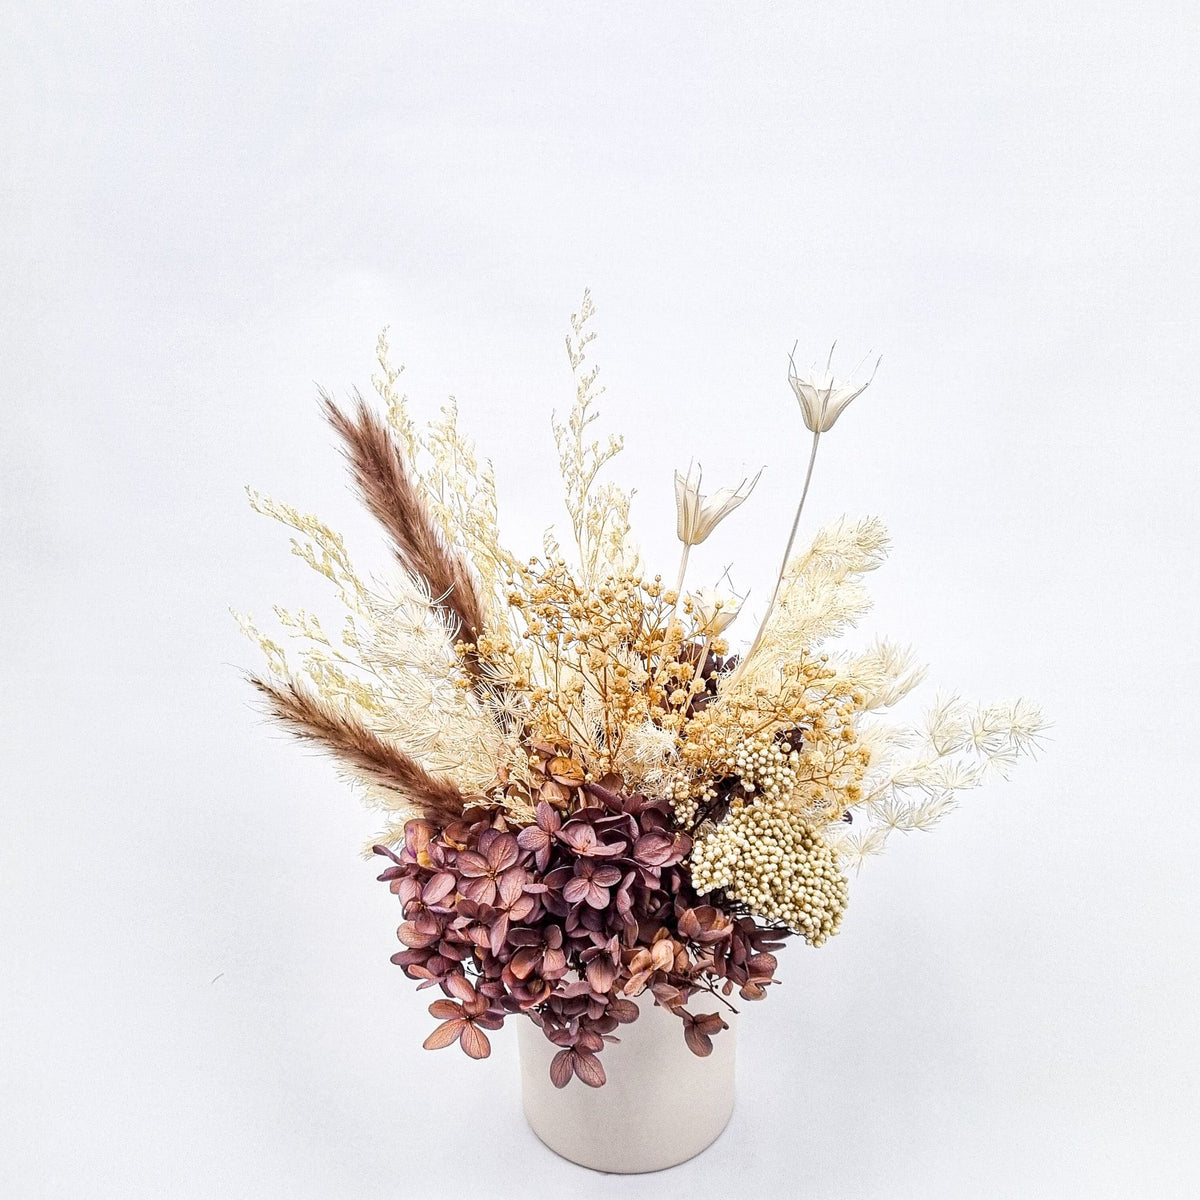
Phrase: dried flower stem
[683,562]
[787,554]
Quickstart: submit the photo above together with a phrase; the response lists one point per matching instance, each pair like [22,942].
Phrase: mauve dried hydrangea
[566,921]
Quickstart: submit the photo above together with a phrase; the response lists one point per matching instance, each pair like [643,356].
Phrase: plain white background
[208,209]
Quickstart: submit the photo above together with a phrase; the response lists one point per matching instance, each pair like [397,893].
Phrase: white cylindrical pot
[662,1104]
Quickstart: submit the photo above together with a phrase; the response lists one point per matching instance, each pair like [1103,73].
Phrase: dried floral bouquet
[588,796]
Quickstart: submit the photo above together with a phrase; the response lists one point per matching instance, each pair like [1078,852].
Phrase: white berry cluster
[776,864]
[767,771]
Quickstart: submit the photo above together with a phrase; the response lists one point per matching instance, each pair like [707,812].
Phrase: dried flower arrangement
[588,796]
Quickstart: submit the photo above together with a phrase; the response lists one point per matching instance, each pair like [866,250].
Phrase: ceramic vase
[662,1104]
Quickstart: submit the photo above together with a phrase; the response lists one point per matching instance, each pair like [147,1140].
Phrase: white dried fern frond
[918,771]
[647,755]
[822,595]
[846,547]
[855,845]
[394,666]
[458,488]
[885,672]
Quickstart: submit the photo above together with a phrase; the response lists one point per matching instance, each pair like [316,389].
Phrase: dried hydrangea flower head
[566,923]
[588,798]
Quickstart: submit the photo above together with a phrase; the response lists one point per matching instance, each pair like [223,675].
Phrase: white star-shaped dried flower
[822,397]
[699,515]
[714,611]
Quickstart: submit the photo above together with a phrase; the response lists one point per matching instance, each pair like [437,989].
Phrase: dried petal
[510,886]
[474,1041]
[459,987]
[502,853]
[823,398]
[662,954]
[523,963]
[637,983]
[624,1011]
[587,1067]
[699,515]
[554,792]
[600,974]
[606,876]
[445,1034]
[480,890]
[499,932]
[565,770]
[580,837]
[560,1069]
[653,849]
[471,864]
[414,938]
[536,839]
[443,884]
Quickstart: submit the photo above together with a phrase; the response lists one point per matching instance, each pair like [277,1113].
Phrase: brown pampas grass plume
[387,489]
[312,719]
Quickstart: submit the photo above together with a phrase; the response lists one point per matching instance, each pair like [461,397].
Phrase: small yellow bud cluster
[776,864]
[590,662]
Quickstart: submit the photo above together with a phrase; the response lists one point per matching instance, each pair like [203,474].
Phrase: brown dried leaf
[565,770]
[554,793]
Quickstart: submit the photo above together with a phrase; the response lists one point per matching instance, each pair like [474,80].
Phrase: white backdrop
[208,208]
